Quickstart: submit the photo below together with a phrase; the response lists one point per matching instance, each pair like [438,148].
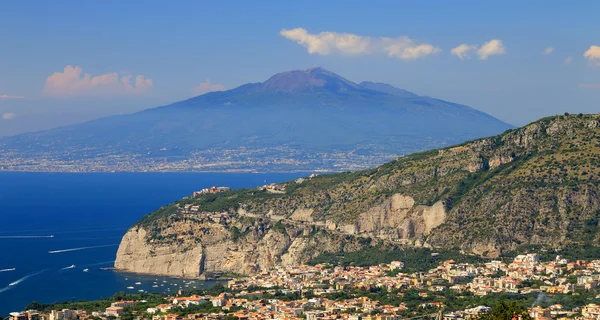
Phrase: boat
[155,286]
[138,283]
[130,288]
[86,270]
[140,290]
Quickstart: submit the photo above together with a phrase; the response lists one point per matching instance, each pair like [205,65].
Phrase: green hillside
[536,185]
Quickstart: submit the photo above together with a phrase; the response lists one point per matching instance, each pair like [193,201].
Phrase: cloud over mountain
[491,48]
[593,54]
[72,82]
[462,51]
[326,43]
[207,86]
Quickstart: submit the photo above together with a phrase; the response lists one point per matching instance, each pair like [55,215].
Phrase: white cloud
[548,50]
[71,82]
[491,48]
[590,85]
[7,97]
[208,86]
[593,54]
[462,51]
[8,116]
[568,60]
[326,43]
[407,49]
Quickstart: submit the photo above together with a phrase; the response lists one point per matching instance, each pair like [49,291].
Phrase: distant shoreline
[186,172]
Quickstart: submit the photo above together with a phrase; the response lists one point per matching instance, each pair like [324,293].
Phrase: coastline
[320,171]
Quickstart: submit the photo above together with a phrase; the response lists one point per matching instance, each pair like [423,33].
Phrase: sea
[58,231]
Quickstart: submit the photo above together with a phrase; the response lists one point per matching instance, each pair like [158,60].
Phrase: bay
[57,230]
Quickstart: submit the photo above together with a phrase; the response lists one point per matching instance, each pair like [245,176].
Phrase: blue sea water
[86,214]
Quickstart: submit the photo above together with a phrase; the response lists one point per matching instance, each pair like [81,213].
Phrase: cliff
[209,244]
[533,186]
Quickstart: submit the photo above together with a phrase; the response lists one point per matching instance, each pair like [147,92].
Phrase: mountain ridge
[307,119]
[535,186]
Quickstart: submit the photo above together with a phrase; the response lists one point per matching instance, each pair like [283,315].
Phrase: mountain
[307,119]
[389,89]
[533,187]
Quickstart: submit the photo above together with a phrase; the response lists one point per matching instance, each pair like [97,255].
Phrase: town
[555,289]
[242,159]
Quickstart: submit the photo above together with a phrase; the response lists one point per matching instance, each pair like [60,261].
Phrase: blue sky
[171,48]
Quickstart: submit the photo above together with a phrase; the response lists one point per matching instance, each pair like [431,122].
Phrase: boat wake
[81,248]
[7,270]
[14,283]
[26,237]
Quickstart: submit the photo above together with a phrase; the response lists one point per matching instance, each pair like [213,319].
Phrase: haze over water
[50,222]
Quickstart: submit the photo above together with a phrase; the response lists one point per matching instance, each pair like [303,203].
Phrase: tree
[507,311]
[34,305]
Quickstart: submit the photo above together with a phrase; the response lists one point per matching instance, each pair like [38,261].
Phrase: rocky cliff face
[537,185]
[195,248]
[197,245]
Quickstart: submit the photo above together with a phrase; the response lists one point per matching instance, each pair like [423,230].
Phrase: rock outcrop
[196,246]
[217,251]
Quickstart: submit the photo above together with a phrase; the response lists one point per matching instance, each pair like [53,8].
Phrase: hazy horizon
[77,62]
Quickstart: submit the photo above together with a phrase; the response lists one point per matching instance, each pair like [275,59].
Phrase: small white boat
[86,270]
[130,288]
[141,290]
[138,283]
[155,286]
